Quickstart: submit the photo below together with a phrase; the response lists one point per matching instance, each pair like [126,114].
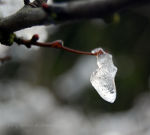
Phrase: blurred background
[48,91]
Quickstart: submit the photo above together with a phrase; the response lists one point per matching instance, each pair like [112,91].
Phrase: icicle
[103,78]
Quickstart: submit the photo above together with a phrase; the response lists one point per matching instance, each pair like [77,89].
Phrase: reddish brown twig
[55,44]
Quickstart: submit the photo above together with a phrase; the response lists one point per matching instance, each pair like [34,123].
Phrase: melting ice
[103,78]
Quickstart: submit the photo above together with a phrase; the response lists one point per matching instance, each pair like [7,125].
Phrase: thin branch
[55,44]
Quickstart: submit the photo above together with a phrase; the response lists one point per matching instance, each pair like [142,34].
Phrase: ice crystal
[103,78]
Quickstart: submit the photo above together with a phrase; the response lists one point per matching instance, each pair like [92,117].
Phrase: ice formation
[103,79]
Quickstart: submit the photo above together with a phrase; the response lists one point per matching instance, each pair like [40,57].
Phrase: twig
[55,44]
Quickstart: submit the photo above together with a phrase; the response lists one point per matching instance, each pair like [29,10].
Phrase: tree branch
[32,14]
[28,17]
[24,18]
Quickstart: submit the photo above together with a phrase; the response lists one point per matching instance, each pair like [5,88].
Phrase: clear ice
[97,50]
[103,79]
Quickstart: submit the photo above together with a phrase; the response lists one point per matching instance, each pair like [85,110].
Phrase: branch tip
[100,52]
[57,44]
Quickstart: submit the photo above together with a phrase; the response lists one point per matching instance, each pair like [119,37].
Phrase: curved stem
[55,44]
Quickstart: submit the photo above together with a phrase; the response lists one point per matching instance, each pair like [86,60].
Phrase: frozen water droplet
[97,50]
[103,78]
